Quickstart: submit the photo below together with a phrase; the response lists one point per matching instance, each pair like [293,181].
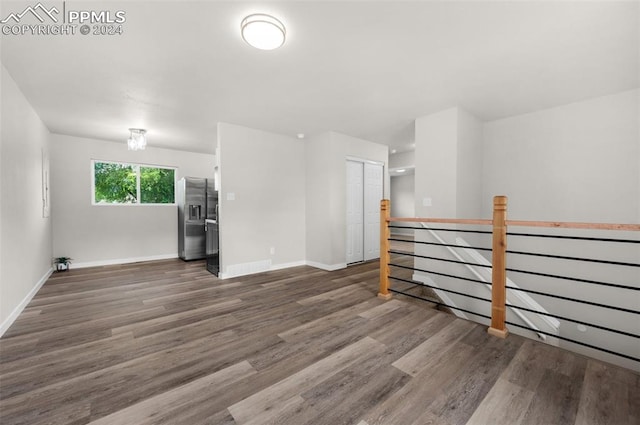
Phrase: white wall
[326,156]
[265,173]
[322,177]
[402,188]
[469,166]
[111,234]
[403,200]
[25,236]
[436,163]
[406,159]
[577,162]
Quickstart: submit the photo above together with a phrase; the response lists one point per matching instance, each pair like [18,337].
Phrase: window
[120,183]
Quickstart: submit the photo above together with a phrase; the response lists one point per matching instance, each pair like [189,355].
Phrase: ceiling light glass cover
[137,141]
[263,31]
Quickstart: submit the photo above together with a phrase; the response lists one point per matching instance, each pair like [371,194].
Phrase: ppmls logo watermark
[60,20]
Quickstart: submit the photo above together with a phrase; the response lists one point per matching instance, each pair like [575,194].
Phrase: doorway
[364,192]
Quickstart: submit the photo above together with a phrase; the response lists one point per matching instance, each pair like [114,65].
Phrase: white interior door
[373,178]
[364,192]
[355,211]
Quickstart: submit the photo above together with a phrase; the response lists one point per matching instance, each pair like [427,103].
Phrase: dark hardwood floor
[167,343]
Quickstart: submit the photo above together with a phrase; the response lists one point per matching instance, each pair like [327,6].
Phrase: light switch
[231,196]
[426,202]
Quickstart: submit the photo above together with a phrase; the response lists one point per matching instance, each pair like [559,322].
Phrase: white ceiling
[367,69]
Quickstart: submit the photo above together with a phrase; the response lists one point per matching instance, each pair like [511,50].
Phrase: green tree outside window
[117,183]
[157,185]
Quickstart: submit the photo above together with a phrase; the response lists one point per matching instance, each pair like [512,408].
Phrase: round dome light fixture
[263,31]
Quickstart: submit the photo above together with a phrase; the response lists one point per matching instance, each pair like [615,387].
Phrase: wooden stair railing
[499,224]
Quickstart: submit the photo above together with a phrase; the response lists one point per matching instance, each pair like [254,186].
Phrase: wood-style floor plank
[505,404]
[263,404]
[606,398]
[193,395]
[554,386]
[165,342]
[408,403]
[435,347]
[460,398]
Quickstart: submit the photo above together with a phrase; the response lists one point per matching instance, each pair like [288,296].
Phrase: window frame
[136,165]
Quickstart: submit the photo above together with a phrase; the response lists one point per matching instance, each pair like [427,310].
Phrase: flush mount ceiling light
[263,31]
[137,140]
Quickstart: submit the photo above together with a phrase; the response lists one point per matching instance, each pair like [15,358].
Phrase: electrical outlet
[272,250]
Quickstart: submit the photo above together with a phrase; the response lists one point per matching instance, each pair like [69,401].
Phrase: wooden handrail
[442,220]
[385,257]
[522,223]
[570,225]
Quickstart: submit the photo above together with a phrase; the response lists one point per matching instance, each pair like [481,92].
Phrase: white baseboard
[288,265]
[246,269]
[327,267]
[237,270]
[20,307]
[123,261]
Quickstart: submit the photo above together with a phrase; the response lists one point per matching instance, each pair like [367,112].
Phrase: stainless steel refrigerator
[197,201]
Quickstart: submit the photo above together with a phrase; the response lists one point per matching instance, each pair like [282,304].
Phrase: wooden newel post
[385,214]
[499,264]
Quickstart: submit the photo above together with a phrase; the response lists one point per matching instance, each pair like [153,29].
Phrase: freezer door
[194,241]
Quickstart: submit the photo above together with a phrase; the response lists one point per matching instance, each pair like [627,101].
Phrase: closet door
[355,211]
[373,178]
